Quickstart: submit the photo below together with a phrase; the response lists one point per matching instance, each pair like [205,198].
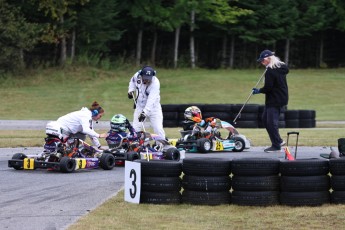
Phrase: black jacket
[275,87]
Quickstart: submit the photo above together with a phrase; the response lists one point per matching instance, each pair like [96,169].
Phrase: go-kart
[146,146]
[68,156]
[198,140]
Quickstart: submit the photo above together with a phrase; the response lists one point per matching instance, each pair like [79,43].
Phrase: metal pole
[250,95]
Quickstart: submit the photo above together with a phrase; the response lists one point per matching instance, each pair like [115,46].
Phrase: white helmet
[53,128]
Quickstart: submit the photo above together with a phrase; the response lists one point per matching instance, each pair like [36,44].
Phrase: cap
[265,54]
[147,73]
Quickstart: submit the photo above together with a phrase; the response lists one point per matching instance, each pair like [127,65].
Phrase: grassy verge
[117,214]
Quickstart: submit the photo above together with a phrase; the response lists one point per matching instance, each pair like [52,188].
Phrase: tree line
[171,33]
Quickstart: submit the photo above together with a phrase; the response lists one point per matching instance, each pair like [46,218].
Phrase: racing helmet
[53,128]
[118,123]
[193,113]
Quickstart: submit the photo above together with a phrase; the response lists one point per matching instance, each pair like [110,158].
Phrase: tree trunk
[153,51]
[224,49]
[232,52]
[139,42]
[73,45]
[287,51]
[321,62]
[177,39]
[62,46]
[192,48]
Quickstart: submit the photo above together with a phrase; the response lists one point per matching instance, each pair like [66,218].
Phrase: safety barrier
[250,115]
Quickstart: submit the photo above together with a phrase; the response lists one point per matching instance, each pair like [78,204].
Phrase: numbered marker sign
[132,181]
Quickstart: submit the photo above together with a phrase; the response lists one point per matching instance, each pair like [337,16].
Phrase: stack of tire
[249,115]
[170,115]
[206,181]
[255,181]
[307,118]
[337,170]
[292,118]
[304,182]
[160,182]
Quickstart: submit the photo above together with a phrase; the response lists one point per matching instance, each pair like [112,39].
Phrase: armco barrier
[244,181]
[173,115]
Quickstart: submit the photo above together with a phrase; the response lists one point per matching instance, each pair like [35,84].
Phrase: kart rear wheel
[172,154]
[107,161]
[132,155]
[18,156]
[204,145]
[239,144]
[67,165]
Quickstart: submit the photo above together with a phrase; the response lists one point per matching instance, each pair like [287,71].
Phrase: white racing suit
[147,101]
[79,124]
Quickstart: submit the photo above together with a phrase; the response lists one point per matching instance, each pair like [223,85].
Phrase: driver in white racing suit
[147,102]
[78,124]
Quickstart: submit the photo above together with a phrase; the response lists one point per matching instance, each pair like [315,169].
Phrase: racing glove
[130,95]
[256,91]
[142,117]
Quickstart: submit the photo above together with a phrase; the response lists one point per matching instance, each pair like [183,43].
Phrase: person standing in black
[276,96]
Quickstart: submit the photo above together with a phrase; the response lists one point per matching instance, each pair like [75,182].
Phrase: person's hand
[130,95]
[142,117]
[256,91]
[103,135]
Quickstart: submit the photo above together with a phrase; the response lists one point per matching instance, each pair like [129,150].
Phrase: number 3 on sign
[132,181]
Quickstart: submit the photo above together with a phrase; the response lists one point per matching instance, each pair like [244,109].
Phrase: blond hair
[275,62]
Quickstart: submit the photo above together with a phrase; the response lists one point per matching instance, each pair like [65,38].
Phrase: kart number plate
[29,163]
[80,163]
[218,146]
[144,156]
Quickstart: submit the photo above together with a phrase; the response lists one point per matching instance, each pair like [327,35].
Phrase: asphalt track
[48,200]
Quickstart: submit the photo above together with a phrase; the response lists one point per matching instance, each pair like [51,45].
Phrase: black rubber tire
[338,197]
[18,156]
[67,165]
[170,107]
[107,161]
[170,123]
[206,183]
[172,154]
[170,115]
[239,144]
[160,197]
[225,116]
[248,108]
[199,166]
[255,198]
[338,182]
[307,114]
[160,168]
[205,198]
[248,117]
[305,183]
[160,184]
[291,114]
[304,198]
[292,123]
[132,155]
[304,167]
[255,166]
[255,183]
[306,123]
[246,124]
[215,108]
[337,166]
[204,145]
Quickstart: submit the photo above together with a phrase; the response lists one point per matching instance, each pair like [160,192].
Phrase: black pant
[270,119]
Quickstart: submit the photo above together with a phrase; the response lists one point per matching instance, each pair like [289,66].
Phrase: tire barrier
[337,171]
[255,181]
[304,182]
[206,181]
[243,181]
[250,117]
[160,182]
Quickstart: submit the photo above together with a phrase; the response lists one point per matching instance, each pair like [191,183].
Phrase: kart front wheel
[172,154]
[107,161]
[239,144]
[67,165]
[204,145]
[18,156]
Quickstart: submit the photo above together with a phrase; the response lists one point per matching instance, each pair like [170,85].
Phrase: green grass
[48,94]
